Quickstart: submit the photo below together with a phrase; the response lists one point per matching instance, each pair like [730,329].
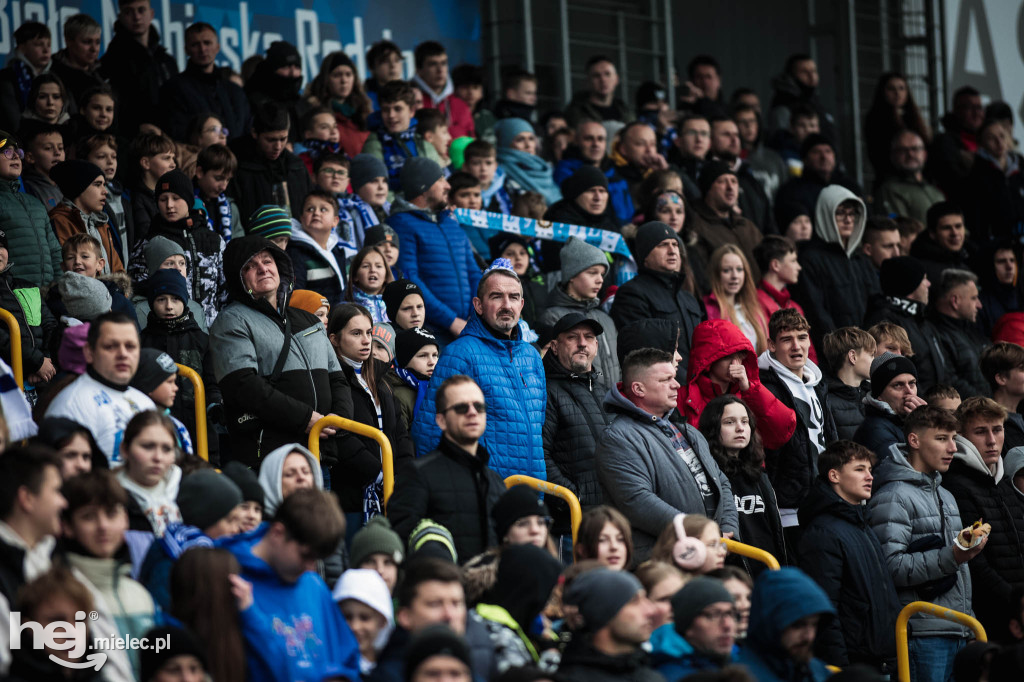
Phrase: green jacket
[37,324]
[33,250]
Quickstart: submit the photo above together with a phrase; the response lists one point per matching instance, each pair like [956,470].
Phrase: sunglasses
[463,408]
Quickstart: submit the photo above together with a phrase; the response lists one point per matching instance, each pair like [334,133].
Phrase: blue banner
[245,28]
[610,242]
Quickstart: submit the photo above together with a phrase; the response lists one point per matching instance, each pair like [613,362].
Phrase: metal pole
[563,13]
[858,160]
[623,67]
[528,34]
[670,56]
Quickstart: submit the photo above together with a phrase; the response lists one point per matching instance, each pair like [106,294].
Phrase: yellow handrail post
[15,331]
[902,636]
[386,456]
[751,552]
[575,511]
[202,435]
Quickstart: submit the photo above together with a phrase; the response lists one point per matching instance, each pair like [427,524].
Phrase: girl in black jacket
[731,431]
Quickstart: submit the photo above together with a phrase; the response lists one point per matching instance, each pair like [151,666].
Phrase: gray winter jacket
[645,478]
[561,304]
[907,506]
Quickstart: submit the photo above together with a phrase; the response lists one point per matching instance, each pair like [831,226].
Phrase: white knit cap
[366,586]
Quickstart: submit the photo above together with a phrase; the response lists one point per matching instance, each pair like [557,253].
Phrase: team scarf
[24,75]
[317,148]
[395,150]
[413,380]
[224,211]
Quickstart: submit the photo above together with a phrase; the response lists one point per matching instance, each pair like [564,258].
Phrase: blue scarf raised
[396,149]
[530,172]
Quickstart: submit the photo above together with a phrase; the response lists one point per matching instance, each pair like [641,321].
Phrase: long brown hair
[882,112]
[589,533]
[201,598]
[319,90]
[357,262]
[747,296]
[340,317]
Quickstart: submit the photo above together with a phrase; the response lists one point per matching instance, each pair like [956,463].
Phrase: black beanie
[154,368]
[205,497]
[395,292]
[73,177]
[887,367]
[167,281]
[516,503]
[180,643]
[408,343]
[282,53]
[434,640]
[901,275]
[419,174]
[583,179]
[711,171]
[177,183]
[648,236]
[813,140]
[245,479]
[501,241]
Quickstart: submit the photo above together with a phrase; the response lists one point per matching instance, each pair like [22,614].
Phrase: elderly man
[509,371]
[274,363]
[651,463]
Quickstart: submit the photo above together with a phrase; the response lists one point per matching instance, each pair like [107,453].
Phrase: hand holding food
[970,537]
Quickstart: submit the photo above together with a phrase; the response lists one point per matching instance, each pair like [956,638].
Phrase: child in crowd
[378,548]
[366,603]
[481,161]
[367,205]
[944,396]
[272,222]
[320,136]
[31,57]
[416,353]
[157,377]
[891,338]
[83,255]
[695,526]
[404,303]
[95,114]
[382,337]
[464,190]
[155,156]
[367,278]
[311,302]
[101,150]
[250,512]
[605,535]
[317,254]
[432,125]
[84,187]
[848,354]
[396,139]
[215,167]
[44,148]
[383,236]
[151,478]
[163,254]
[37,325]
[47,101]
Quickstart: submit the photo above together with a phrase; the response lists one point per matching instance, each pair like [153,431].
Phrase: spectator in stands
[590,148]
[35,321]
[468,80]
[702,93]
[277,80]
[31,56]
[34,252]
[163,254]
[992,190]
[702,636]
[953,311]
[585,201]
[765,163]
[101,150]
[519,96]
[780,267]
[1002,364]
[151,479]
[786,611]
[316,252]
[481,161]
[284,390]
[635,155]
[77,65]
[519,250]
[916,520]
[689,152]
[84,188]
[436,253]
[842,554]
[378,548]
[367,205]
[727,147]
[438,92]
[894,112]
[517,155]
[944,242]
[733,295]
[616,621]
[384,64]
[48,101]
[267,171]
[952,151]
[893,396]
[136,65]
[714,219]
[848,353]
[44,148]
[1000,291]
[438,652]
[599,103]
[337,85]
[203,87]
[432,125]
[74,444]
[650,467]
[154,155]
[820,170]
[215,166]
[279,560]
[904,191]
[798,87]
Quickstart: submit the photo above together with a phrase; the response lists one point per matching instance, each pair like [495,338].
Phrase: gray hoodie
[825,217]
[270,475]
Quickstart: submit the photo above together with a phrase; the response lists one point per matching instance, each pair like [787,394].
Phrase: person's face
[671,211]
[45,152]
[719,369]
[664,257]
[158,164]
[847,214]
[213,132]
[734,429]
[340,81]
[466,428]
[333,177]
[281,241]
[94,197]
[371,273]
[714,629]
[950,232]
[908,153]
[634,622]
[116,355]
[862,363]
[84,260]
[483,168]
[470,94]
[966,302]
[354,340]
[594,200]
[525,142]
[75,457]
[388,69]
[554,124]
[202,47]
[712,539]
[322,314]
[260,275]
[806,73]
[172,207]
[803,126]
[411,312]
[49,102]
[98,528]
[435,603]
[740,592]
[920,294]
[934,449]
[290,559]
[136,17]
[106,158]
[272,143]
[99,112]
[390,253]
[519,256]
[899,389]
[175,262]
[437,195]
[434,71]
[886,245]
[10,162]
[529,530]
[296,474]
[365,624]
[969,111]
[395,116]
[524,93]
[986,435]
[424,361]
[1005,266]
[801,229]
[164,394]
[853,480]
[38,51]
[639,145]
[149,456]
[319,216]
[225,527]
[821,159]
[993,140]
[695,138]
[442,668]
[1012,382]
[501,304]
[731,274]
[798,639]
[896,93]
[789,268]
[322,127]
[725,139]
[184,668]
[658,389]
[661,596]
[45,506]
[587,284]
[724,193]
[706,78]
[592,140]
[385,566]
[611,547]
[790,348]
[468,197]
[212,183]
[603,78]
[375,192]
[250,514]
[577,348]
[746,121]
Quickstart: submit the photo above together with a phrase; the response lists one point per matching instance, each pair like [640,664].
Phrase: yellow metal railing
[15,331]
[575,511]
[751,552]
[386,456]
[199,390]
[914,607]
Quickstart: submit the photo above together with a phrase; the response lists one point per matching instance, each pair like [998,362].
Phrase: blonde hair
[747,296]
[894,333]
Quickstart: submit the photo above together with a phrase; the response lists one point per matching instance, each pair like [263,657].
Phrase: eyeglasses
[334,173]
[463,408]
[10,152]
[215,129]
[697,133]
[718,617]
[851,213]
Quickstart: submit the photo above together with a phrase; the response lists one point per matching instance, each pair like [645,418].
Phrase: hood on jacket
[270,475]
[239,252]
[825,217]
[780,599]
[897,468]
[967,453]
[712,341]
[1013,464]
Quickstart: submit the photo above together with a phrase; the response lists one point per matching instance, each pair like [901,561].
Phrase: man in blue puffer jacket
[508,370]
[436,253]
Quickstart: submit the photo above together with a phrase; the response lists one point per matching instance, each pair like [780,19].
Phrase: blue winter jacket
[436,254]
[510,373]
[618,189]
[780,599]
[302,626]
[675,658]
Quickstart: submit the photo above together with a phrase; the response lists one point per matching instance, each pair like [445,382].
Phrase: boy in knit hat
[250,511]
[273,223]
[416,353]
[379,548]
[157,378]
[404,303]
[368,203]
[311,302]
[521,517]
[384,238]
[163,254]
[81,211]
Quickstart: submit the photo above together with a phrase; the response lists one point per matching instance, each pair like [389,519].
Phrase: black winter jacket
[841,553]
[758,511]
[880,430]
[253,184]
[930,359]
[136,73]
[453,488]
[962,345]
[935,259]
[37,338]
[193,92]
[830,289]
[573,425]
[144,210]
[582,662]
[847,407]
[995,210]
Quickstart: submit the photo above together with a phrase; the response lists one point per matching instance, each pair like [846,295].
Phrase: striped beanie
[270,221]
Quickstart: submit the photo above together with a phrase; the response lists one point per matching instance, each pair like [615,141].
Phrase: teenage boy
[777,258]
[317,253]
[396,140]
[24,300]
[30,58]
[368,203]
[465,191]
[842,554]
[155,154]
[481,161]
[319,136]
[331,174]
[432,125]
[84,187]
[215,166]
[33,249]
[438,93]
[102,151]
[1003,366]
[848,354]
[44,149]
[916,520]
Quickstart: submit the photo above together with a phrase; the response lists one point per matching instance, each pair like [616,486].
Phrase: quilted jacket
[33,250]
[881,429]
[511,375]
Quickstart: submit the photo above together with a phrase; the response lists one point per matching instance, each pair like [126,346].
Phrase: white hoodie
[802,390]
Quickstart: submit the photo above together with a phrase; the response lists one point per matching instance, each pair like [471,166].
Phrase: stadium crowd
[827,372]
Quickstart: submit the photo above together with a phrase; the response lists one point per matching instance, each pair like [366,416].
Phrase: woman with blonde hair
[733,295]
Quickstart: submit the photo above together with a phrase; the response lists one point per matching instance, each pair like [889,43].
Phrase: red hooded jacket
[716,339]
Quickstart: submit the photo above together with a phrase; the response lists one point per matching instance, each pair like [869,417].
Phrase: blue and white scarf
[497,191]
[24,75]
[414,382]
[223,215]
[396,149]
[317,148]
[373,303]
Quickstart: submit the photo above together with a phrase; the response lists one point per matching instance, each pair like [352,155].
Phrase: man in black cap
[715,219]
[584,202]
[893,396]
[821,169]
[726,146]
[704,614]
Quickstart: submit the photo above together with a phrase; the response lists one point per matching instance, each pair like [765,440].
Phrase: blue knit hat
[506,130]
[270,221]
[167,282]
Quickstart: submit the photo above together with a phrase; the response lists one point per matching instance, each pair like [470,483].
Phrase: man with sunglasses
[452,485]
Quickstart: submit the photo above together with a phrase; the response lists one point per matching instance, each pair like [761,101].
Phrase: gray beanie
[364,168]
[85,298]
[159,249]
[577,256]
[206,496]
[694,597]
[600,594]
[418,175]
